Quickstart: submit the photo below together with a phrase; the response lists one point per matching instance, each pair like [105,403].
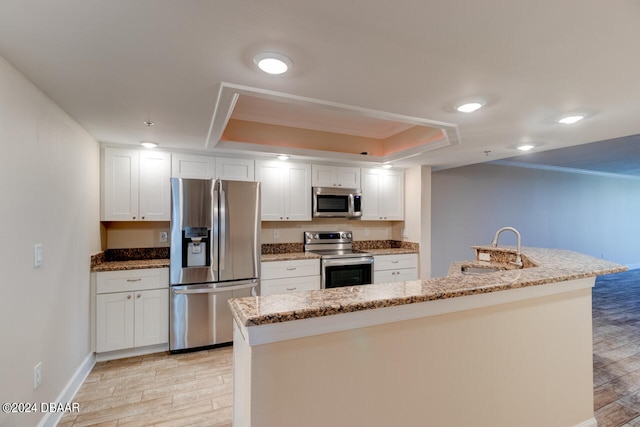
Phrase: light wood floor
[195,389]
[188,389]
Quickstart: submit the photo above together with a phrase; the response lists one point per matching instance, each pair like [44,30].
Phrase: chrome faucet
[494,243]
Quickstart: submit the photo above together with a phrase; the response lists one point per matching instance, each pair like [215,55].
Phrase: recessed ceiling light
[283,157]
[149,123]
[148,144]
[387,165]
[469,107]
[525,147]
[273,62]
[569,120]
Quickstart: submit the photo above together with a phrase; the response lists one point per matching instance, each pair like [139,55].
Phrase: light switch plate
[37,255]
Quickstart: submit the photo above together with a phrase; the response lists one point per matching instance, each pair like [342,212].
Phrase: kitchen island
[501,348]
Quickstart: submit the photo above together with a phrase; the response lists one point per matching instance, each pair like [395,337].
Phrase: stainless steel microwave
[329,202]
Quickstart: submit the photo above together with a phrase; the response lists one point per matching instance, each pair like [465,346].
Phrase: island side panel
[527,363]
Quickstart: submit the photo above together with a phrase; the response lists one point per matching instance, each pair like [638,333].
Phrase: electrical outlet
[366,231]
[37,375]
[163,237]
[276,233]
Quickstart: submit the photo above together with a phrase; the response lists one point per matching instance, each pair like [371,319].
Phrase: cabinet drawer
[393,262]
[289,285]
[283,269]
[130,280]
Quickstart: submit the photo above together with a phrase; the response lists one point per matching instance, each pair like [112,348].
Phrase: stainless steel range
[341,265]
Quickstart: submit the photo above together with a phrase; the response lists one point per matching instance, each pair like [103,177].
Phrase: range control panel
[316,237]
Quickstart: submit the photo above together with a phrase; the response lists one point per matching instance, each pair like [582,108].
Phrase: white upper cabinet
[154,198]
[207,167]
[286,190]
[235,169]
[135,185]
[382,195]
[192,166]
[335,176]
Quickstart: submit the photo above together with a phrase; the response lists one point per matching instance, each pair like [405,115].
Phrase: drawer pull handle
[394,262]
[134,280]
[292,289]
[291,268]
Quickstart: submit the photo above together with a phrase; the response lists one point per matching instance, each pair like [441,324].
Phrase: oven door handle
[335,262]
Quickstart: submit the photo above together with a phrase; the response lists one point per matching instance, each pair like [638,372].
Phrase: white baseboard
[51,419]
[588,423]
[131,352]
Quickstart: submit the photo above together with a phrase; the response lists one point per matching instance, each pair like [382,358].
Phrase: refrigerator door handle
[214,290]
[216,230]
[223,226]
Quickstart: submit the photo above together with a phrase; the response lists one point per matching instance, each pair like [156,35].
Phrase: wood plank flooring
[195,389]
[188,389]
[616,349]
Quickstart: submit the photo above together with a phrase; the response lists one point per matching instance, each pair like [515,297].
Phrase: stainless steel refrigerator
[215,255]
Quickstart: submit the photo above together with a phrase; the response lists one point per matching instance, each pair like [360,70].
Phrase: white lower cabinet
[395,268]
[132,309]
[282,277]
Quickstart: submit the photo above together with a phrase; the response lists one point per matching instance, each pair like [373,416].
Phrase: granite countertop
[290,256]
[551,265]
[131,265]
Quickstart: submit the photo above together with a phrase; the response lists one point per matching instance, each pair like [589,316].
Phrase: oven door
[341,272]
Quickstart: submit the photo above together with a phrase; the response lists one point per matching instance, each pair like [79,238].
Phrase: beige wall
[129,234]
[292,231]
[417,201]
[49,182]
[525,363]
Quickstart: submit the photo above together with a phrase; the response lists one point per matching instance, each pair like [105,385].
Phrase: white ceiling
[112,64]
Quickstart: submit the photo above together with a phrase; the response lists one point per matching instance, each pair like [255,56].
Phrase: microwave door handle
[352,204]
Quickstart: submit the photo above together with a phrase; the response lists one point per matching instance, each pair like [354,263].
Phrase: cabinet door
[297,192]
[384,276]
[348,177]
[235,169]
[335,176]
[392,195]
[155,186]
[272,200]
[371,194]
[114,321]
[406,274]
[151,317]
[120,184]
[322,176]
[289,285]
[382,195]
[192,166]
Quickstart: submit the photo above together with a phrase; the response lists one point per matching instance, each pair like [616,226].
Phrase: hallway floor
[616,349]
[195,389]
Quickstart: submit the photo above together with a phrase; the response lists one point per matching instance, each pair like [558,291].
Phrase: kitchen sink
[467,269]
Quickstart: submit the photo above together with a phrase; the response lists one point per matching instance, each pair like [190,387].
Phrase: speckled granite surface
[289,256]
[295,251]
[553,265]
[130,259]
[131,265]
